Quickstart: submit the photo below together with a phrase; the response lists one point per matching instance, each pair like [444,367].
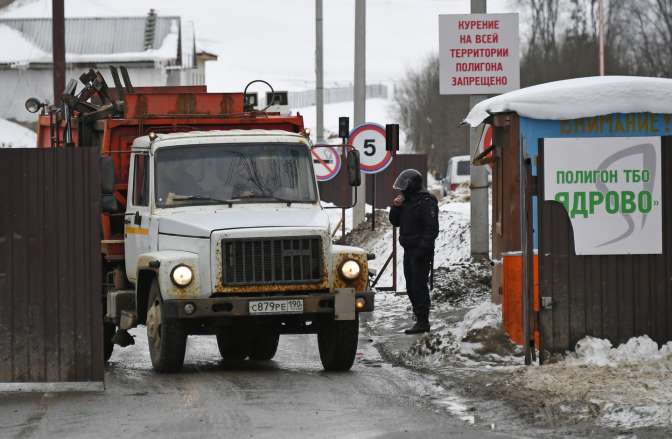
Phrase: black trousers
[416,272]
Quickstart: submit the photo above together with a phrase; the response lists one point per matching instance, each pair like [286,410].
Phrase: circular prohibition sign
[326,162]
[369,140]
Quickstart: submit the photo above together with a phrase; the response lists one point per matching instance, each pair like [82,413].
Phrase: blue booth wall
[611,125]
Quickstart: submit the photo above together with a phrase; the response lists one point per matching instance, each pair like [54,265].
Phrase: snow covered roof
[581,97]
[91,39]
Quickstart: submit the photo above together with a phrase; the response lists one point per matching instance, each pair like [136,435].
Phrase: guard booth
[582,210]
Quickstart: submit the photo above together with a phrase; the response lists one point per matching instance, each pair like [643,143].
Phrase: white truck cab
[225,234]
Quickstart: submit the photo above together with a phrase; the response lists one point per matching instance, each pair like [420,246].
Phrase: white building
[156,50]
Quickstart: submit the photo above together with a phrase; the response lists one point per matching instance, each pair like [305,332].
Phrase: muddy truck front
[225,235]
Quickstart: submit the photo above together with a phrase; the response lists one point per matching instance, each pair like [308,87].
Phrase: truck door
[136,220]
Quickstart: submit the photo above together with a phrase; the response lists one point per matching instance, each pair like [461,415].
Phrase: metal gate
[614,297]
[50,269]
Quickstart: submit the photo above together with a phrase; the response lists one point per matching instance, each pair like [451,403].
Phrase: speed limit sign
[369,140]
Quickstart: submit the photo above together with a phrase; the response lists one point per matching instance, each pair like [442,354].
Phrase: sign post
[478,56]
[369,139]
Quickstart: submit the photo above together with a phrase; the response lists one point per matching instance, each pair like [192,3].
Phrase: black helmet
[410,180]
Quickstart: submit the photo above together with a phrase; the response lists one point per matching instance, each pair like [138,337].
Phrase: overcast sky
[275,40]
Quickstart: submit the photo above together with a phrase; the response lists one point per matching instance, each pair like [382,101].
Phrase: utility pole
[319,72]
[600,14]
[480,233]
[359,211]
[58,48]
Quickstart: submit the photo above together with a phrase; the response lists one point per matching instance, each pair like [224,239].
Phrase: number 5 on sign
[369,140]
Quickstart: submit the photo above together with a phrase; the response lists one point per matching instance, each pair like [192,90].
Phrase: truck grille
[272,260]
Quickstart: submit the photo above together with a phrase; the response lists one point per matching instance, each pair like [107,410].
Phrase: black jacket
[418,220]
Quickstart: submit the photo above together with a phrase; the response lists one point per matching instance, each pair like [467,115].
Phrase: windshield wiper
[271,197]
[201,198]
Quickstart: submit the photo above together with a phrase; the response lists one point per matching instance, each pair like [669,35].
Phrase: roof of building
[99,39]
[580,97]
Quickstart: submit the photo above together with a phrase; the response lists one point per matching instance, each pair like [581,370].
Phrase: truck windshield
[227,174]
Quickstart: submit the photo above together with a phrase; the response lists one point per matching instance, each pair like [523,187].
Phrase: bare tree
[430,120]
[645,31]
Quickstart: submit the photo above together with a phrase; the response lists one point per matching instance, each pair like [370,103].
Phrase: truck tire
[337,341]
[232,346]
[167,341]
[108,332]
[264,345]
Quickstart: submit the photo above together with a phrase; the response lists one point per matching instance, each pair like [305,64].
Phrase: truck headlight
[182,275]
[350,269]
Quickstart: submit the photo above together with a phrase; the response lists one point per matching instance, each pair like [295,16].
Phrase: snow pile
[581,97]
[484,316]
[593,351]
[625,387]
[13,135]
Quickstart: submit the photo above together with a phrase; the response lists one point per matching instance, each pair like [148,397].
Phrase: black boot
[421,325]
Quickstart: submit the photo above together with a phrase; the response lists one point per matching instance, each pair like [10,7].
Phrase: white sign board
[478,54]
[369,140]
[326,162]
[611,189]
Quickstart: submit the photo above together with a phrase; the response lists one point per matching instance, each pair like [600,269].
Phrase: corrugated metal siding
[50,272]
[613,297]
[94,35]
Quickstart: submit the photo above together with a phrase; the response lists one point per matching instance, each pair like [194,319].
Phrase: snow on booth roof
[580,97]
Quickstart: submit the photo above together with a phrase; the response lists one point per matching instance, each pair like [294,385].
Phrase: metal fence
[333,95]
[50,267]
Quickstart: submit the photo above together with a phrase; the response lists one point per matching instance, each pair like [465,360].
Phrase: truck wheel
[167,342]
[337,342]
[231,346]
[264,345]
[108,346]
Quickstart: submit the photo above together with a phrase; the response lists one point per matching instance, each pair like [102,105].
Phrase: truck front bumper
[238,306]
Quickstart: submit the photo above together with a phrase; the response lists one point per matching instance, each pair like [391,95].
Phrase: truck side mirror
[354,174]
[108,203]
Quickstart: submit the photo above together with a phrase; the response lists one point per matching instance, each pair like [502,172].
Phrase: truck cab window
[141,181]
[234,173]
[463,167]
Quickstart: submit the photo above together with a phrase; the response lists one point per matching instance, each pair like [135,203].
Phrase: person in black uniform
[416,213]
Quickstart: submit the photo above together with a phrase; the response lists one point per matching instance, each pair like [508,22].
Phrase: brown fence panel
[614,297]
[338,191]
[50,271]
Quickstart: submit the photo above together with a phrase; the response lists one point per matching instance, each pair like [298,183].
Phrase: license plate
[276,306]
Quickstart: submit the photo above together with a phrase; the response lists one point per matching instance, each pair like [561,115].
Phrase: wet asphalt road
[289,397]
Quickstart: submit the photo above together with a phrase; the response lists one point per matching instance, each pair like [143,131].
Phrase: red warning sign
[326,162]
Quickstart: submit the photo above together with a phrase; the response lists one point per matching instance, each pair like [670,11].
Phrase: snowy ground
[599,391]
[13,135]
